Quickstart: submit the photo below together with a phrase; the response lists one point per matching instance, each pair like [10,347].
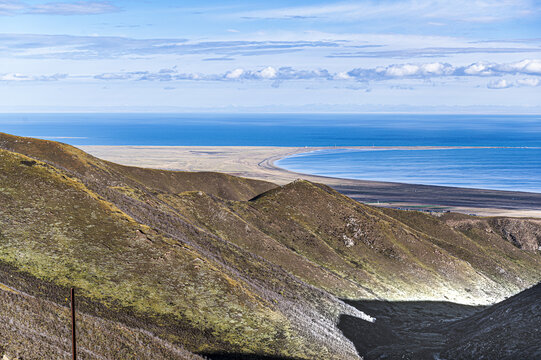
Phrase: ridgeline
[174,265]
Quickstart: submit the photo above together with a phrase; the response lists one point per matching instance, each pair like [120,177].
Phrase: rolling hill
[183,263]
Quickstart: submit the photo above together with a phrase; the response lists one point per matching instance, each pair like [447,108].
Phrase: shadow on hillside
[403,330]
[232,356]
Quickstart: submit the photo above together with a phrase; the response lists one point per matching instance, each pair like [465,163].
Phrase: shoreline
[258,162]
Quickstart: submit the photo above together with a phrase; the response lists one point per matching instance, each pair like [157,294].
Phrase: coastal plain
[258,162]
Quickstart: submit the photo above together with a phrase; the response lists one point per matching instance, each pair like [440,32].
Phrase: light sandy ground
[258,163]
[252,162]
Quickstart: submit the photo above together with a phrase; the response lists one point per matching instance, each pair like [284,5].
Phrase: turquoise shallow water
[505,169]
[517,169]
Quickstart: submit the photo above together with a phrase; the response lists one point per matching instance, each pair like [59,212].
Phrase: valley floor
[258,163]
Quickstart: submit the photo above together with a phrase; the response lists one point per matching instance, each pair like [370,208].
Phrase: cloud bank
[12,8]
[23,77]
[437,69]
[527,67]
[103,47]
[327,46]
[486,11]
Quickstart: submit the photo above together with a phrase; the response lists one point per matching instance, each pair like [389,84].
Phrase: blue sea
[517,167]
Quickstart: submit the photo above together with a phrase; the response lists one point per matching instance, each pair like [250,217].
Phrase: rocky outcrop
[523,233]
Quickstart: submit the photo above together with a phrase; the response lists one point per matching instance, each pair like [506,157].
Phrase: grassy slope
[31,328]
[357,251]
[87,167]
[190,287]
[185,256]
[224,219]
[473,240]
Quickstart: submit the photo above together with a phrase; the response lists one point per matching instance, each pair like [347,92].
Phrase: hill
[67,225]
[212,264]
[356,251]
[508,330]
[428,330]
[88,168]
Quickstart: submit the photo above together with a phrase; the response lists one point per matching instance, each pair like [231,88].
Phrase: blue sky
[347,56]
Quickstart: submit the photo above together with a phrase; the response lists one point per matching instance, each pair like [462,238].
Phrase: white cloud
[14,7]
[268,73]
[499,84]
[529,82]
[430,10]
[104,47]
[320,46]
[479,69]
[14,77]
[527,66]
[23,77]
[342,76]
[411,70]
[426,71]
[437,69]
[10,7]
[112,76]
[235,74]
[400,70]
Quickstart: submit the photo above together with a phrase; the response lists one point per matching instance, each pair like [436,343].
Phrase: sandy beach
[258,163]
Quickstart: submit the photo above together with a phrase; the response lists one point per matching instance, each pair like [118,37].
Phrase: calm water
[278,130]
[499,169]
[518,169]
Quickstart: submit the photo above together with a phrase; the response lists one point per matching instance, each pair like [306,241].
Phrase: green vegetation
[58,232]
[37,329]
[213,263]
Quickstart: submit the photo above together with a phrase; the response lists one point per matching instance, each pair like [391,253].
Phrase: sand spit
[258,162]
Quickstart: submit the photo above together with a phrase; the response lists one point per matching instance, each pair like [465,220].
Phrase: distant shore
[258,162]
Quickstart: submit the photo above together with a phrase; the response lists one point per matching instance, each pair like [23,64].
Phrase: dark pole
[73,339]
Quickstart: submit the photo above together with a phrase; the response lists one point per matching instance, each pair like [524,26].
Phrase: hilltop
[260,162]
[208,263]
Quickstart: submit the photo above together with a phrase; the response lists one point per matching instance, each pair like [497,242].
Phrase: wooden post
[73,337]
